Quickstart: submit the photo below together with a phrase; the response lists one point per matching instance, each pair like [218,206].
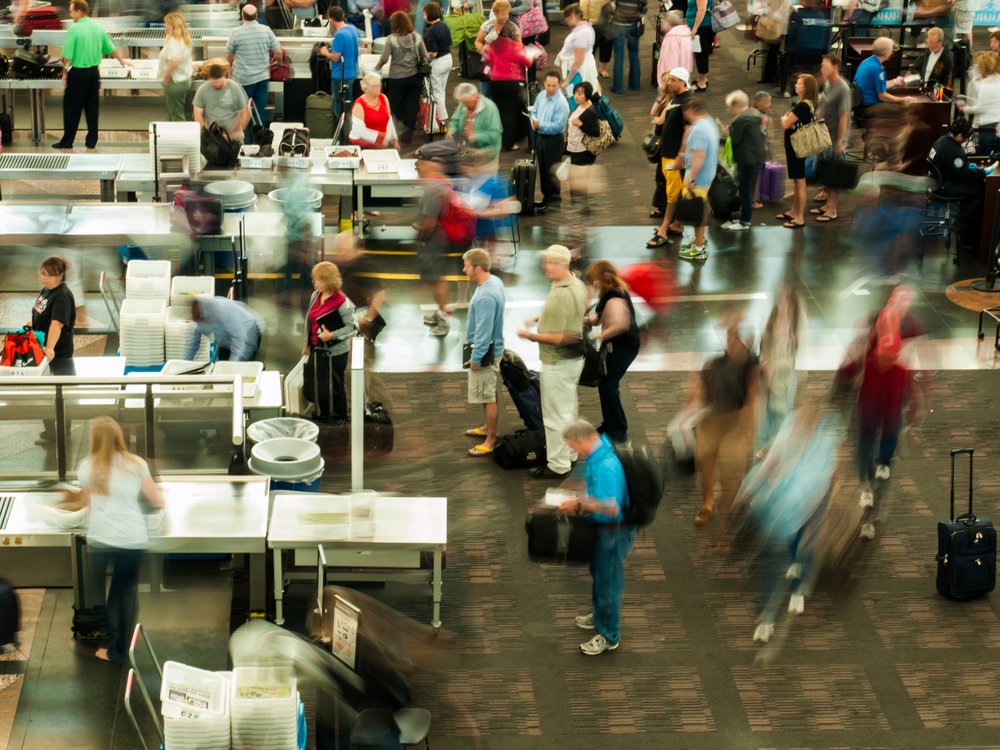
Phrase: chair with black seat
[939,225]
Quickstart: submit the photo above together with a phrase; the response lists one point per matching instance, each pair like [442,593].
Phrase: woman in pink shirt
[675,50]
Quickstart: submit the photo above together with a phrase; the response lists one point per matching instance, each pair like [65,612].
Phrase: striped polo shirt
[249,45]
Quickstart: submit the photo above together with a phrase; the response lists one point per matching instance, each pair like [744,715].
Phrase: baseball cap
[681,73]
[557,252]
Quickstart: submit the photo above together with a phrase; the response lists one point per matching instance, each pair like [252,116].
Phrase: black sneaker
[544,472]
[542,207]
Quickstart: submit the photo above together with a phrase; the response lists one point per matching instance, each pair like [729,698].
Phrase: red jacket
[507,60]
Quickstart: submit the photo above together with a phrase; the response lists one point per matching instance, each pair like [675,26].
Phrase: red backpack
[457,220]
[21,349]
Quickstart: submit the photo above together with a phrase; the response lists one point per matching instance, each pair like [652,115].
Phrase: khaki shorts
[674,180]
[483,384]
[963,21]
[697,192]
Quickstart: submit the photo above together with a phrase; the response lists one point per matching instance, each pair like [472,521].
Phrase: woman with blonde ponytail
[111,479]
[174,70]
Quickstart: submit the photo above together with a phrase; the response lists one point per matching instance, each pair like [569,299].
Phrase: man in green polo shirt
[86,43]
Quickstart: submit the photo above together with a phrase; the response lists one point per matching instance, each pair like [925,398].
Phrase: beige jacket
[591,9]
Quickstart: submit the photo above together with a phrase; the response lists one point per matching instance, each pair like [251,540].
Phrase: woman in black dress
[801,114]
[620,337]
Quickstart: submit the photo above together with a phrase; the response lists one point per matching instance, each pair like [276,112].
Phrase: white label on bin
[196,699]
[255,163]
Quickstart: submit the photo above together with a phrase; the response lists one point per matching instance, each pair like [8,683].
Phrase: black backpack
[525,449]
[217,147]
[723,196]
[513,371]
[294,142]
[644,481]
[10,613]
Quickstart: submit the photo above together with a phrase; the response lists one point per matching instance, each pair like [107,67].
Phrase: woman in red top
[507,61]
[372,120]
[327,343]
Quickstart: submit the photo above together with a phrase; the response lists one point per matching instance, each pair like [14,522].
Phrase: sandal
[656,214]
[480,450]
[786,216]
[793,225]
[604,75]
[757,205]
[674,232]
[657,241]
[703,516]
[817,211]
[819,199]
[477,432]
[824,218]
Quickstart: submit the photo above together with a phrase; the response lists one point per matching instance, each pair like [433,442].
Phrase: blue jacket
[486,320]
[606,480]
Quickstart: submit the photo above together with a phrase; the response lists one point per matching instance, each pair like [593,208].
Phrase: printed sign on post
[345,631]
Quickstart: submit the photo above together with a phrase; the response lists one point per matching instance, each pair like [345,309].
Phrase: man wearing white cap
[560,347]
[671,137]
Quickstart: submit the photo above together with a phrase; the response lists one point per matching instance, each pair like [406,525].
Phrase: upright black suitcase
[469,63]
[10,613]
[523,175]
[967,549]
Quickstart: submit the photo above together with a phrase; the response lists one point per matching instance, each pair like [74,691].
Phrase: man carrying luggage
[604,500]
[484,345]
[559,337]
[86,43]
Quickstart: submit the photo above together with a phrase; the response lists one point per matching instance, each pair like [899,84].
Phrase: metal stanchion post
[357,414]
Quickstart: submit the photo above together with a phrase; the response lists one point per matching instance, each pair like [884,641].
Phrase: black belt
[550,135]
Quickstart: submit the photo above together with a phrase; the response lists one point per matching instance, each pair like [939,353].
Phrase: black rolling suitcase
[523,176]
[553,534]
[967,549]
[524,388]
[469,63]
[10,613]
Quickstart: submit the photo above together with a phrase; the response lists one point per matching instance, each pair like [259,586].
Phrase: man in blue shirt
[701,159]
[484,333]
[605,501]
[870,75]
[343,53]
[548,119]
[236,329]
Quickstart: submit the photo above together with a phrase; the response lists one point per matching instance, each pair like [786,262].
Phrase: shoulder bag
[601,142]
[423,62]
[811,139]
[533,22]
[724,16]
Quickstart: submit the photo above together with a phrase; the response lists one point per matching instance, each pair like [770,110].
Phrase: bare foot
[102,654]
[373,213]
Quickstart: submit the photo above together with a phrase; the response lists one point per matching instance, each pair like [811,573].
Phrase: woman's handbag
[768,29]
[811,139]
[601,142]
[724,16]
[595,366]
[423,62]
[533,22]
[650,147]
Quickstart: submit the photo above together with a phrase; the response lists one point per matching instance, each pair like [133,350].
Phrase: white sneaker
[764,632]
[597,645]
[794,572]
[730,225]
[796,604]
[736,226]
[586,622]
[867,531]
[867,499]
[882,472]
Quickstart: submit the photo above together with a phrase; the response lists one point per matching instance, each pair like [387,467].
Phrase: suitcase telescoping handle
[954,453]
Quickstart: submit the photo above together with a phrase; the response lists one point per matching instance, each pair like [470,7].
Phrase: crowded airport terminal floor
[334,534]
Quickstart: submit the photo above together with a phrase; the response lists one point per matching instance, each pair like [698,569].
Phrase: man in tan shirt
[559,336]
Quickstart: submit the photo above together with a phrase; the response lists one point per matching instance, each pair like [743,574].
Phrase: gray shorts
[963,21]
[483,384]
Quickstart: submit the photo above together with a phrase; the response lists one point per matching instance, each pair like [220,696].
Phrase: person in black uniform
[959,179]
[54,315]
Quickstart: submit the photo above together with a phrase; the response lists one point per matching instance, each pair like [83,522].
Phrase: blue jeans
[987,143]
[615,425]
[619,35]
[419,23]
[607,569]
[121,606]
[866,452]
[747,175]
[862,18]
[257,92]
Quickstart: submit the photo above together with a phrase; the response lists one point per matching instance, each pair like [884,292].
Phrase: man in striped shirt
[247,51]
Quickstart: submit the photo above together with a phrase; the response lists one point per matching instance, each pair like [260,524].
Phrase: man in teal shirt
[86,43]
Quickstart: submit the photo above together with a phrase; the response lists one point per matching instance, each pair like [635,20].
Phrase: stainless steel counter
[396,186]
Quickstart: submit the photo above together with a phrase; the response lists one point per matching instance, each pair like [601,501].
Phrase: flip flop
[674,233]
[787,216]
[793,225]
[817,211]
[703,516]
[819,199]
[657,214]
[824,218]
[480,450]
[757,205]
[477,432]
[657,241]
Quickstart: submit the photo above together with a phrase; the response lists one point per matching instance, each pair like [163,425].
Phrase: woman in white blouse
[986,107]
[174,70]
[576,58]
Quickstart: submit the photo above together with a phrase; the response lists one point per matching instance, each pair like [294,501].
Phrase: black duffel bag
[836,174]
[525,449]
[218,148]
[552,533]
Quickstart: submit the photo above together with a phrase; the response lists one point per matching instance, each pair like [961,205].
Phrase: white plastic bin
[148,279]
[250,371]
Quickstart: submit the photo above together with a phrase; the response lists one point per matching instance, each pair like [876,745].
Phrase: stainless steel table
[269,400]
[222,515]
[27,166]
[398,186]
[385,546]
[36,88]
[89,225]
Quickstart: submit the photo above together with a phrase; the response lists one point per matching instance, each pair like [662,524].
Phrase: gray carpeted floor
[877,659]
